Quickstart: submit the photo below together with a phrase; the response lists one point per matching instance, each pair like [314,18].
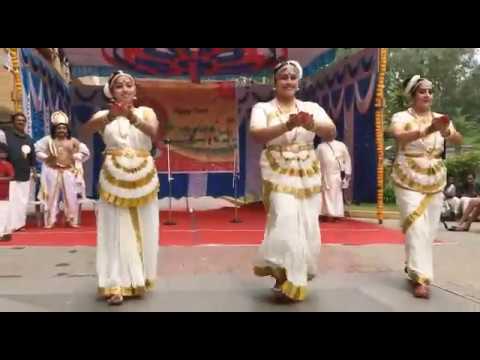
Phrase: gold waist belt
[291,148]
[425,155]
[128,152]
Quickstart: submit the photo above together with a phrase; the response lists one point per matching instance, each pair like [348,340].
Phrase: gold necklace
[421,121]
[281,112]
[289,111]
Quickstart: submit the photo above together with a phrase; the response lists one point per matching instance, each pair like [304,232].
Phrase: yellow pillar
[379,130]
[17,89]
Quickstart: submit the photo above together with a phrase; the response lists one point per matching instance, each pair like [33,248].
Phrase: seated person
[452,203]
[470,190]
[472,212]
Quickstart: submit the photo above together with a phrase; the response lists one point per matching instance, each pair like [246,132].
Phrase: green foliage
[460,165]
[388,190]
[389,194]
[455,73]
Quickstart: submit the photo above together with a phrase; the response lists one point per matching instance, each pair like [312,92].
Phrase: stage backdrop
[204,63]
[44,91]
[201,122]
[346,91]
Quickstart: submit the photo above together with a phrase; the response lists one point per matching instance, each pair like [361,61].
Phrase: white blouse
[289,163]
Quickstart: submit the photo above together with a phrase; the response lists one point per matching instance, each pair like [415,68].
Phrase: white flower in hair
[293,63]
[106,91]
[299,68]
[106,88]
[414,81]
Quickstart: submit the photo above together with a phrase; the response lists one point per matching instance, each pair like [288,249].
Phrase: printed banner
[198,120]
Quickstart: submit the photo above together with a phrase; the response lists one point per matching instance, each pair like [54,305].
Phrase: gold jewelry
[108,118]
[289,125]
[311,126]
[427,131]
[136,121]
[290,110]
[447,134]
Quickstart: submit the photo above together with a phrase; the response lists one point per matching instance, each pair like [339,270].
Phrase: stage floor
[220,278]
[209,228]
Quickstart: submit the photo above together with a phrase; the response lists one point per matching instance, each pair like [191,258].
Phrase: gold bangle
[449,134]
[311,127]
[109,117]
[289,126]
[137,121]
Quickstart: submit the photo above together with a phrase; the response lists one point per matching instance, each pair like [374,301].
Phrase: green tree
[448,68]
[455,73]
[469,96]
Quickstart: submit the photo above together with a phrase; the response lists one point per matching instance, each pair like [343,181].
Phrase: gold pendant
[129,153]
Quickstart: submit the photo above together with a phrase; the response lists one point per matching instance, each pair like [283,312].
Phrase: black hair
[54,127]
[112,76]
[17,114]
[414,87]
[281,65]
[277,68]
[406,81]
[110,79]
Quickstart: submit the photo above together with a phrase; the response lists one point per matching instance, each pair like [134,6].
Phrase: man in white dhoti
[291,182]
[21,155]
[62,157]
[336,166]
[128,214]
[420,176]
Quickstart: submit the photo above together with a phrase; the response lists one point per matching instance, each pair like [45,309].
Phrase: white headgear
[59,117]
[414,83]
[106,89]
[293,63]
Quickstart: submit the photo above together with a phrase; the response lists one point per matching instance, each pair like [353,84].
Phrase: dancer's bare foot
[421,291]
[115,300]
[277,288]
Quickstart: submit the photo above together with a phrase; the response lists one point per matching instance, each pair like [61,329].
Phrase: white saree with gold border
[128,213]
[419,175]
[291,191]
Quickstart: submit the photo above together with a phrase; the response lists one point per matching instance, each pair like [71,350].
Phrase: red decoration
[4,190]
[226,90]
[195,62]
